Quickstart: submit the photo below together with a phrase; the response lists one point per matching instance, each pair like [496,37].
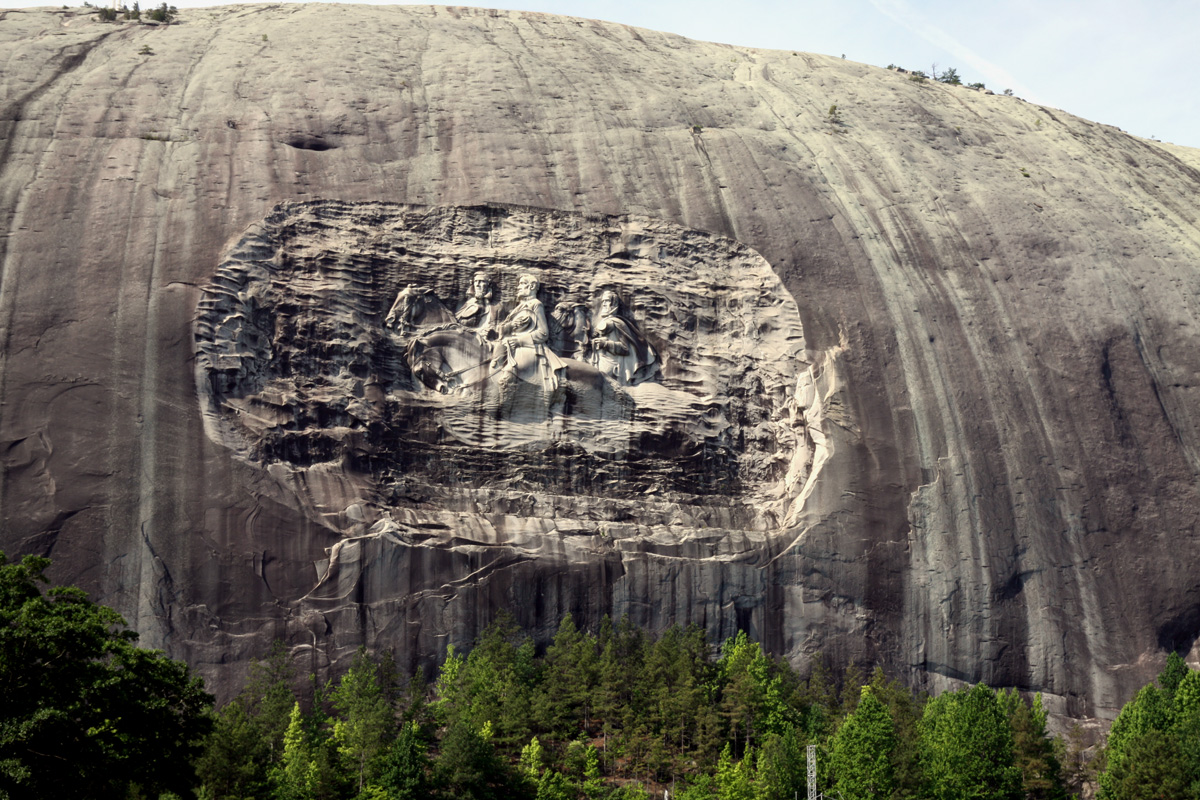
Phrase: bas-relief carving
[512,376]
[417,364]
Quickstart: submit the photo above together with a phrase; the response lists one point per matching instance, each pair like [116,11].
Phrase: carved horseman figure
[618,349]
[570,327]
[524,334]
[415,307]
[480,311]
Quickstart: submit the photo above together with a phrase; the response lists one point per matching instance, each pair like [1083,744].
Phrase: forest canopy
[619,713]
[84,712]
[612,714]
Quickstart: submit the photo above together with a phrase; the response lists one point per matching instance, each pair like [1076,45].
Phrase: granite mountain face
[354,325]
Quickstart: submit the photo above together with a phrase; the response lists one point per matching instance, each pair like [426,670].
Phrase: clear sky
[1130,63]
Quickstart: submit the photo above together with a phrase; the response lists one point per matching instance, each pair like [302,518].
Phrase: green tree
[966,747]
[468,768]
[733,778]
[1161,723]
[623,648]
[1186,725]
[1172,675]
[782,766]
[1152,769]
[533,759]
[1033,749]
[700,787]
[309,765]
[298,776]
[163,13]
[365,719]
[818,701]
[592,785]
[83,711]
[753,700]
[404,771]
[673,696]
[568,681]
[950,76]
[247,739]
[863,748]
[234,762]
[1148,711]
[905,709]
[493,685]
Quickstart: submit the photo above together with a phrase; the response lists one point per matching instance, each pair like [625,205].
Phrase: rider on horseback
[523,336]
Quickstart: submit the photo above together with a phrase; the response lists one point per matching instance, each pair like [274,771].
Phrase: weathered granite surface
[951,425]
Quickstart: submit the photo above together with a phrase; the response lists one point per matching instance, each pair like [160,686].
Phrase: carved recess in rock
[456,377]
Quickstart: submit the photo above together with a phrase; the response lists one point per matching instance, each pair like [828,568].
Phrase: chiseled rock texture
[956,431]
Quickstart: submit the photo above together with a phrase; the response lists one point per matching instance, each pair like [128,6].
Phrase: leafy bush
[163,13]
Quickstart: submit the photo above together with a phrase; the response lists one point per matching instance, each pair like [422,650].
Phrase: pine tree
[741,694]
[533,759]
[563,703]
[404,768]
[495,684]
[781,767]
[852,684]
[247,740]
[905,709]
[236,757]
[1152,769]
[619,682]
[467,767]
[753,696]
[819,700]
[365,718]
[1171,676]
[733,777]
[1148,711]
[592,786]
[297,777]
[673,699]
[1186,713]
[1033,750]
[309,768]
[452,702]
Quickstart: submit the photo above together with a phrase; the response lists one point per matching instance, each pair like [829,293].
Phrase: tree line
[619,714]
[613,714]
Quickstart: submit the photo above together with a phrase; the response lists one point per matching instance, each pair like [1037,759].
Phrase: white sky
[1129,63]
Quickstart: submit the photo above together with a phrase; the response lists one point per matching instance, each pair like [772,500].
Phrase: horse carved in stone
[417,307]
